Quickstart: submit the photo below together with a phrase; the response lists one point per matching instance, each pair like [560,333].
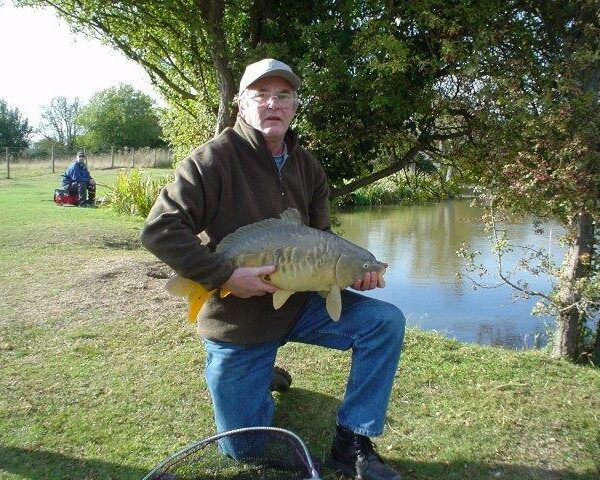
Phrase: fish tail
[196,299]
[195,293]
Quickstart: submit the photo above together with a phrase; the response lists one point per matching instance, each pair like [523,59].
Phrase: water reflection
[420,244]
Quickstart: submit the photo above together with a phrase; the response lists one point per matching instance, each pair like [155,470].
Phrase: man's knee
[392,322]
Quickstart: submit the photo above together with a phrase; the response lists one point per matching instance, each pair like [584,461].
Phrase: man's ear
[241,108]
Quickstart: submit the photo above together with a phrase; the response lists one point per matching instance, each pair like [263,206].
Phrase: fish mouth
[378,267]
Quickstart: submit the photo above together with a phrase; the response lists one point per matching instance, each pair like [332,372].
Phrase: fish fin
[196,299]
[224,293]
[324,294]
[333,304]
[280,297]
[291,215]
[179,286]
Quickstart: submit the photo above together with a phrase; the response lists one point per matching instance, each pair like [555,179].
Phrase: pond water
[420,242]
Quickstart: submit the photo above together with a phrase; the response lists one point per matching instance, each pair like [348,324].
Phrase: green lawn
[101,375]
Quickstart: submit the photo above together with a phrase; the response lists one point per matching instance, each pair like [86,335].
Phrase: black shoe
[355,456]
[281,380]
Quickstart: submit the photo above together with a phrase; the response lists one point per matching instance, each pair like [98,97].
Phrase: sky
[42,58]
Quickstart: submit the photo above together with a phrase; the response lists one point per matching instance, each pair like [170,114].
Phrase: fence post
[132,157]
[7,163]
[154,166]
[52,157]
[112,156]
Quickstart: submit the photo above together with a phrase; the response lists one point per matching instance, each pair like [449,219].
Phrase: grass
[101,375]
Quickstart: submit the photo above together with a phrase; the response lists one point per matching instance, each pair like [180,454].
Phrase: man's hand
[246,282]
[370,281]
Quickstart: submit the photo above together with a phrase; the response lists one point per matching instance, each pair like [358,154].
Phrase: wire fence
[19,163]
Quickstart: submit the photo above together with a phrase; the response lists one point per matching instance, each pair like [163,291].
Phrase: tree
[44,147]
[59,121]
[184,131]
[14,130]
[120,116]
[372,69]
[538,149]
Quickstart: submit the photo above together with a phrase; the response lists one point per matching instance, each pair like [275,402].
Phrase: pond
[419,243]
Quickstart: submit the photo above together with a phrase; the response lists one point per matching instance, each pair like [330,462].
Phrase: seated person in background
[77,179]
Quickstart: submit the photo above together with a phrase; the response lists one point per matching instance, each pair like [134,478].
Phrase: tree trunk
[579,257]
[227,112]
[213,13]
[576,266]
[595,354]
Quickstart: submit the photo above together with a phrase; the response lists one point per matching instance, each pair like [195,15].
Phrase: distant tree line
[116,117]
[14,129]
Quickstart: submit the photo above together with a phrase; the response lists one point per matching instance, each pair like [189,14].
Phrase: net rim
[194,447]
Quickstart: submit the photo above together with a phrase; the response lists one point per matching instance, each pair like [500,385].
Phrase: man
[248,173]
[77,179]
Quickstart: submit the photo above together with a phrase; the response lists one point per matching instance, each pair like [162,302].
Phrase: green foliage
[377,75]
[121,117]
[43,148]
[381,79]
[133,194]
[380,193]
[402,188]
[185,132]
[14,130]
[537,145]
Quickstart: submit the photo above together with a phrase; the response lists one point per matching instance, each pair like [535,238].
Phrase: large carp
[307,259]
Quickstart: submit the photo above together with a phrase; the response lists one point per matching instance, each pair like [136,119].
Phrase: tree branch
[393,168]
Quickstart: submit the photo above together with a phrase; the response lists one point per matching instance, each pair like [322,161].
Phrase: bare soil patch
[116,288]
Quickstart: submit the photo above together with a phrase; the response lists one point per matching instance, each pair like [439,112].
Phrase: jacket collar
[256,139]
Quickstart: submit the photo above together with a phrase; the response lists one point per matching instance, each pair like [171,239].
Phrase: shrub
[134,195]
[400,189]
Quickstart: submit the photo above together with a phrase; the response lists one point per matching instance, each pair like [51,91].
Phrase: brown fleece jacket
[226,183]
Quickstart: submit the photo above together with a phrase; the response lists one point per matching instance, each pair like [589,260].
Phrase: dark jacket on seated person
[76,172]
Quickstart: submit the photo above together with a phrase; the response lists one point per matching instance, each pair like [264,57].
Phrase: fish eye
[365,266]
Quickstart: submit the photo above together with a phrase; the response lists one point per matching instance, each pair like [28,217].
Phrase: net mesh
[260,453]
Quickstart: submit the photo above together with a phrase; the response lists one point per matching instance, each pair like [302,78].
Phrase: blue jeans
[81,188]
[238,376]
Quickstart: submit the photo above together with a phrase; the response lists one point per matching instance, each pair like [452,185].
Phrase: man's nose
[273,102]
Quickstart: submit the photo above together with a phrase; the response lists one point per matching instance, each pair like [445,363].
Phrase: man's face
[262,110]
[81,158]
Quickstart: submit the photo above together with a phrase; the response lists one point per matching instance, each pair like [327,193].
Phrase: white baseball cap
[268,67]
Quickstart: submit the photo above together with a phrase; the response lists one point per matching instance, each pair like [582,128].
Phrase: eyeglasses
[283,99]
